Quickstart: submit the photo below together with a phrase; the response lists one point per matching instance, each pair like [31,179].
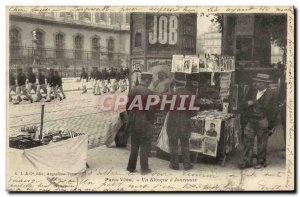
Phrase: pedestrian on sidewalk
[261,121]
[140,126]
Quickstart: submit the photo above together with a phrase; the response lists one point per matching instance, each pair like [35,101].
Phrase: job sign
[164,30]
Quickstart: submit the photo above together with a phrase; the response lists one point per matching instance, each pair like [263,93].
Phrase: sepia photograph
[150,98]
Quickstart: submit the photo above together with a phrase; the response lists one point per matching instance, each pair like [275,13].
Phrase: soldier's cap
[19,69]
[213,124]
[263,78]
[146,75]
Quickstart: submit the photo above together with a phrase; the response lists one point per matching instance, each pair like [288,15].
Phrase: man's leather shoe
[174,167]
[188,167]
[260,165]
[130,169]
[244,166]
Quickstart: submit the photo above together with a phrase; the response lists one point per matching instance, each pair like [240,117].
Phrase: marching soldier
[122,81]
[112,80]
[52,82]
[261,121]
[12,83]
[41,84]
[31,77]
[84,76]
[93,78]
[21,86]
[99,80]
[105,78]
[140,127]
[179,128]
[59,84]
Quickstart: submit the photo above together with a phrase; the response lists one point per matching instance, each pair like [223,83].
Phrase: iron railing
[68,62]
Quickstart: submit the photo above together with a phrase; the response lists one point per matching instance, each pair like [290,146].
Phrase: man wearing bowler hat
[140,126]
[261,121]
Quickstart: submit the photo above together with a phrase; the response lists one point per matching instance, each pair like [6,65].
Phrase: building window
[78,42]
[15,42]
[95,48]
[110,48]
[59,45]
[84,16]
[100,17]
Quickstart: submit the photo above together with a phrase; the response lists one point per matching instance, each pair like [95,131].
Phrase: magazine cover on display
[150,99]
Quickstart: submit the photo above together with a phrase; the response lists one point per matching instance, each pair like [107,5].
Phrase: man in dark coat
[59,84]
[31,77]
[261,120]
[41,84]
[85,78]
[12,83]
[93,78]
[140,126]
[179,128]
[21,86]
[52,82]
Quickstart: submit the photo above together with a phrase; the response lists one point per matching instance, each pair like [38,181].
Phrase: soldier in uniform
[59,84]
[21,86]
[112,80]
[140,127]
[52,81]
[41,84]
[261,121]
[93,78]
[84,77]
[12,83]
[99,80]
[122,80]
[105,77]
[31,77]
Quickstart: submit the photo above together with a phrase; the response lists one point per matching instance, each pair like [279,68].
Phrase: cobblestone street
[79,112]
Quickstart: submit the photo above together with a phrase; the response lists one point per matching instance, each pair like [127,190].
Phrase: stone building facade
[69,41]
